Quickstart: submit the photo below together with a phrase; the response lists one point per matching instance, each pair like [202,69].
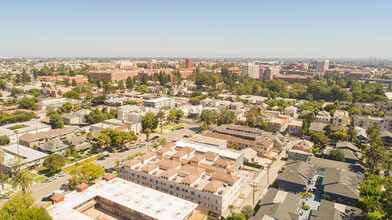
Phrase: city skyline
[224,29]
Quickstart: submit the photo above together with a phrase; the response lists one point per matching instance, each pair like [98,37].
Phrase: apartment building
[322,66]
[200,174]
[295,127]
[112,75]
[54,104]
[250,70]
[278,124]
[341,118]
[160,102]
[239,131]
[365,121]
[27,127]
[29,140]
[119,199]
[262,146]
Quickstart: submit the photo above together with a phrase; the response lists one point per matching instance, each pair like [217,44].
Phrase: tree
[22,180]
[4,140]
[208,117]
[89,136]
[352,134]
[18,202]
[103,139]
[1,170]
[34,92]
[161,117]
[336,154]
[74,83]
[28,103]
[56,121]
[226,117]
[179,114]
[54,162]
[373,134]
[236,216]
[32,213]
[129,83]
[71,94]
[67,107]
[147,131]
[172,115]
[86,173]
[247,211]
[376,154]
[149,121]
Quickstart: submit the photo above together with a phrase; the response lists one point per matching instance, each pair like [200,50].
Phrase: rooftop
[144,200]
[28,154]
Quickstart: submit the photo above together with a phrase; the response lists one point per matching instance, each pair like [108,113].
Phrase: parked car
[121,151]
[101,158]
[186,136]
[47,198]
[132,147]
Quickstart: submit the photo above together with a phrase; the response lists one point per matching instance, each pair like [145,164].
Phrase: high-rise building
[270,72]
[189,63]
[322,66]
[250,70]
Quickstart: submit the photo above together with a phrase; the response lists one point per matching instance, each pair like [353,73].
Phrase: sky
[198,28]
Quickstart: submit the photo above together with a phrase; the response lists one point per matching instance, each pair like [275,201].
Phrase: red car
[121,151]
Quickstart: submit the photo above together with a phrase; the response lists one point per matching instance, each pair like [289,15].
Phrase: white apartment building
[341,118]
[32,127]
[205,178]
[160,102]
[365,121]
[322,65]
[251,70]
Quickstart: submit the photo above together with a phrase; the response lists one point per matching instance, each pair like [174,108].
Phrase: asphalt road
[190,129]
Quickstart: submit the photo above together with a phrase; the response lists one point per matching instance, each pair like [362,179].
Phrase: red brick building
[112,76]
[189,63]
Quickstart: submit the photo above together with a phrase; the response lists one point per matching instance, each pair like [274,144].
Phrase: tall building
[271,72]
[322,66]
[251,70]
[189,63]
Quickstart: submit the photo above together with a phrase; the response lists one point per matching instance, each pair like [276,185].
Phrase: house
[291,110]
[299,150]
[332,210]
[386,137]
[278,124]
[296,177]
[323,116]
[250,155]
[30,157]
[341,186]
[209,141]
[29,140]
[73,119]
[278,204]
[295,127]
[341,118]
[361,135]
[317,127]
[54,146]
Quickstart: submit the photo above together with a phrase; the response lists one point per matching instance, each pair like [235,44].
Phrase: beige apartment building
[197,174]
[341,118]
[365,121]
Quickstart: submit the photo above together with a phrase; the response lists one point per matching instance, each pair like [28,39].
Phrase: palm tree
[1,170]
[22,180]
[376,155]
[352,133]
[161,116]
[147,131]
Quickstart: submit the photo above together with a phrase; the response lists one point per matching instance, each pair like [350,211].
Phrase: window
[192,193]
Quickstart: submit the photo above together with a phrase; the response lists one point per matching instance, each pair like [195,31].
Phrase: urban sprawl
[182,138]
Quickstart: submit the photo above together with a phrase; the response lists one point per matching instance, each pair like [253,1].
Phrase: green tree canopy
[54,162]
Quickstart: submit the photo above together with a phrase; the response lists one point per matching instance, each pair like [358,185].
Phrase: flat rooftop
[227,153]
[28,154]
[144,200]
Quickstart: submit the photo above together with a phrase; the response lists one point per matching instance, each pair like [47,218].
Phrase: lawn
[7,193]
[39,179]
[31,175]
[169,126]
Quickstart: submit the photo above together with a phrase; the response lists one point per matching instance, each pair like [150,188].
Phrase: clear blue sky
[198,28]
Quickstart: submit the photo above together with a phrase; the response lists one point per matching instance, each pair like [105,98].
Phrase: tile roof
[191,178]
[168,164]
[169,173]
[213,186]
[225,177]
[191,169]
[46,134]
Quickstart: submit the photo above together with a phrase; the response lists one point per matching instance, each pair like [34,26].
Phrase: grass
[39,179]
[31,175]
[16,127]
[169,126]
[67,169]
[7,193]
